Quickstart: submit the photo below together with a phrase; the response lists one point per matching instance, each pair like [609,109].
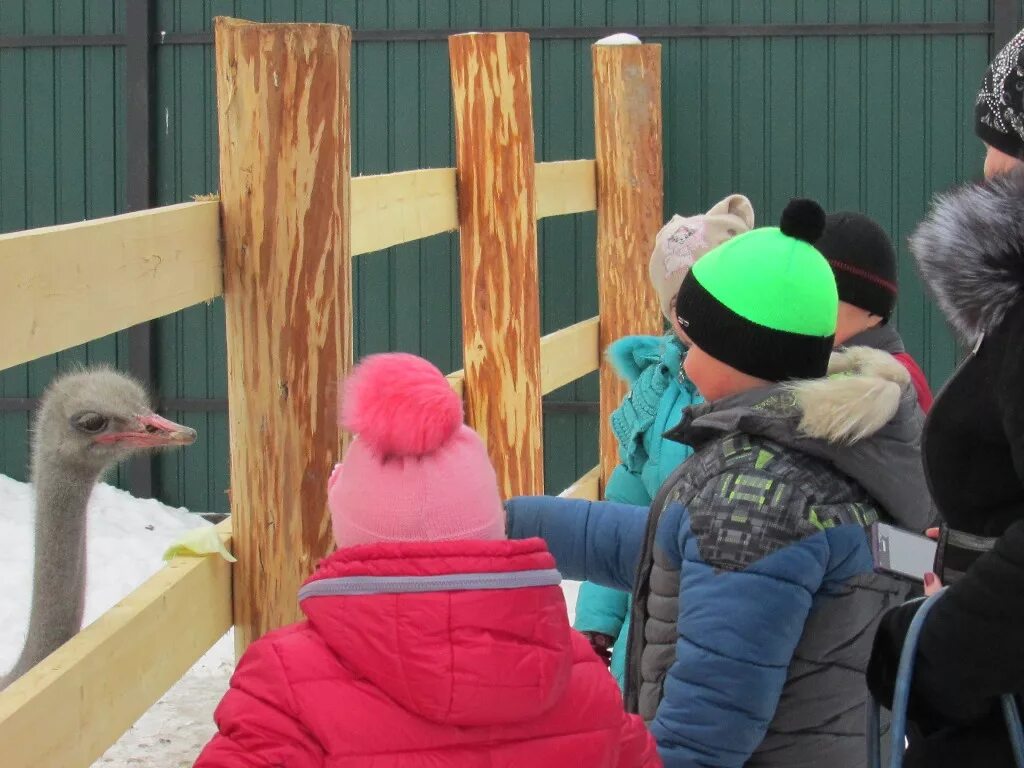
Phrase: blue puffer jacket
[659,393]
[755,596]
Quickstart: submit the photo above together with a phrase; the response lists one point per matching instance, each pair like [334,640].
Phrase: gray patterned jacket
[755,602]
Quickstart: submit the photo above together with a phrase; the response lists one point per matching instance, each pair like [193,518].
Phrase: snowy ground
[127,538]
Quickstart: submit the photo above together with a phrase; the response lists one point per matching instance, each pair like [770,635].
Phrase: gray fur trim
[970,252]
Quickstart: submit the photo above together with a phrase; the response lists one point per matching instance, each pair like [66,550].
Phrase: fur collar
[860,395]
[970,252]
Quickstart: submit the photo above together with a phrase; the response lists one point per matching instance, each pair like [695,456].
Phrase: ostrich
[87,422]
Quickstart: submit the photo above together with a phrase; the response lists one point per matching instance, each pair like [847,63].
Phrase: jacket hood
[970,252]
[883,337]
[632,355]
[465,633]
[863,418]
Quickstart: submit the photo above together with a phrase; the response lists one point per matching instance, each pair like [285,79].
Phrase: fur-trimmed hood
[863,418]
[970,252]
[859,397]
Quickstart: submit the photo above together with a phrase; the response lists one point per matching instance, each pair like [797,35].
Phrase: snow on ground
[127,539]
[175,729]
[126,542]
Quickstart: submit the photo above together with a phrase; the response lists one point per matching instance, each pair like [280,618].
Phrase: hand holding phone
[901,553]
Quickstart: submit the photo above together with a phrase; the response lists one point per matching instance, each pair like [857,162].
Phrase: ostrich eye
[90,422]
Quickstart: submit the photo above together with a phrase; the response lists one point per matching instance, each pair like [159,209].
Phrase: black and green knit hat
[765,303]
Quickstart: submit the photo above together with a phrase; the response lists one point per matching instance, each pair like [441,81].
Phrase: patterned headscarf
[999,111]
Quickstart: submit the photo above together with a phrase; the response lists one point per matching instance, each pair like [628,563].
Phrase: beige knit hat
[685,239]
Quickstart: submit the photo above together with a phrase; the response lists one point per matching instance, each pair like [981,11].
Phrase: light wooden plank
[569,354]
[627,137]
[565,186]
[400,207]
[284,187]
[587,487]
[72,706]
[457,380]
[395,208]
[565,355]
[498,236]
[156,262]
[66,285]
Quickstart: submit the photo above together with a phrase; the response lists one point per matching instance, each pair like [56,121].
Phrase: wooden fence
[278,246]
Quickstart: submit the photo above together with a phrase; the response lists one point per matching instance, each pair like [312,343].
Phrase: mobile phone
[900,552]
[956,551]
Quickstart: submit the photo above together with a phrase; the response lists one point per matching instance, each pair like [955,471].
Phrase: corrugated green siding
[875,124]
[871,124]
[61,159]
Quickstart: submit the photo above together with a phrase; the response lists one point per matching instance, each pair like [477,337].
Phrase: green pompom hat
[765,303]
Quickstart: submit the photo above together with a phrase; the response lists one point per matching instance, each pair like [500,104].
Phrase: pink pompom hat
[414,472]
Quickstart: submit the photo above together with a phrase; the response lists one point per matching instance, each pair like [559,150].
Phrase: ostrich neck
[58,586]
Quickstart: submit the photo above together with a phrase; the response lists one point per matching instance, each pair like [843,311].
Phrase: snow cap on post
[619,38]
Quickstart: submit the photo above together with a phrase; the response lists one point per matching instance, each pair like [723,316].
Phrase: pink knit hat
[414,472]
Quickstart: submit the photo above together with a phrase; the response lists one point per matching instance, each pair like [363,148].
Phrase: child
[659,391]
[863,261]
[754,592]
[429,639]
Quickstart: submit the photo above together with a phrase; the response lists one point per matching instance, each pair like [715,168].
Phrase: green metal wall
[871,123]
[61,155]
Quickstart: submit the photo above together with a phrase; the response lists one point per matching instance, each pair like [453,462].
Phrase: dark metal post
[1004,23]
[138,190]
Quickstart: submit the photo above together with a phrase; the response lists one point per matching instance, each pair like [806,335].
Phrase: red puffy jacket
[428,654]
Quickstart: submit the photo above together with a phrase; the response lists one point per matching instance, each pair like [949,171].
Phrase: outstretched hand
[931,581]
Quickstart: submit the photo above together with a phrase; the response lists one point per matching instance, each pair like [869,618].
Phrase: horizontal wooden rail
[565,355]
[69,284]
[569,354]
[397,208]
[400,207]
[457,379]
[587,487]
[66,285]
[69,709]
[565,186]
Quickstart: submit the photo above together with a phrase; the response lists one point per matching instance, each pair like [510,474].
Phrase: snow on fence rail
[278,247]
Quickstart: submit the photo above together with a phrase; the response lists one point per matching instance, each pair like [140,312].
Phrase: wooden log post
[283,113]
[498,239]
[627,136]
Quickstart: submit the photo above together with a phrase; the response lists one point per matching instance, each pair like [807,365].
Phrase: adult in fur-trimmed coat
[971,254]
[970,251]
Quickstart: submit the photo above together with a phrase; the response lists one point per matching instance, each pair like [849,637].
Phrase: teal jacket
[659,391]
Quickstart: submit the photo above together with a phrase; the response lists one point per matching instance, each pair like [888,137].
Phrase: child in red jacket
[863,261]
[429,638]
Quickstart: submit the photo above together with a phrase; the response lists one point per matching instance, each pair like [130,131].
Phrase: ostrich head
[89,420]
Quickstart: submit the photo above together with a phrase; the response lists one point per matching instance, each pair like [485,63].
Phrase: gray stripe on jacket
[449,582]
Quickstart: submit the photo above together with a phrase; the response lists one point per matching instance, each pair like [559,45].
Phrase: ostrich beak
[154,432]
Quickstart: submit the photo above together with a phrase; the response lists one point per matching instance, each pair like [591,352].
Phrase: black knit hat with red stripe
[863,260]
